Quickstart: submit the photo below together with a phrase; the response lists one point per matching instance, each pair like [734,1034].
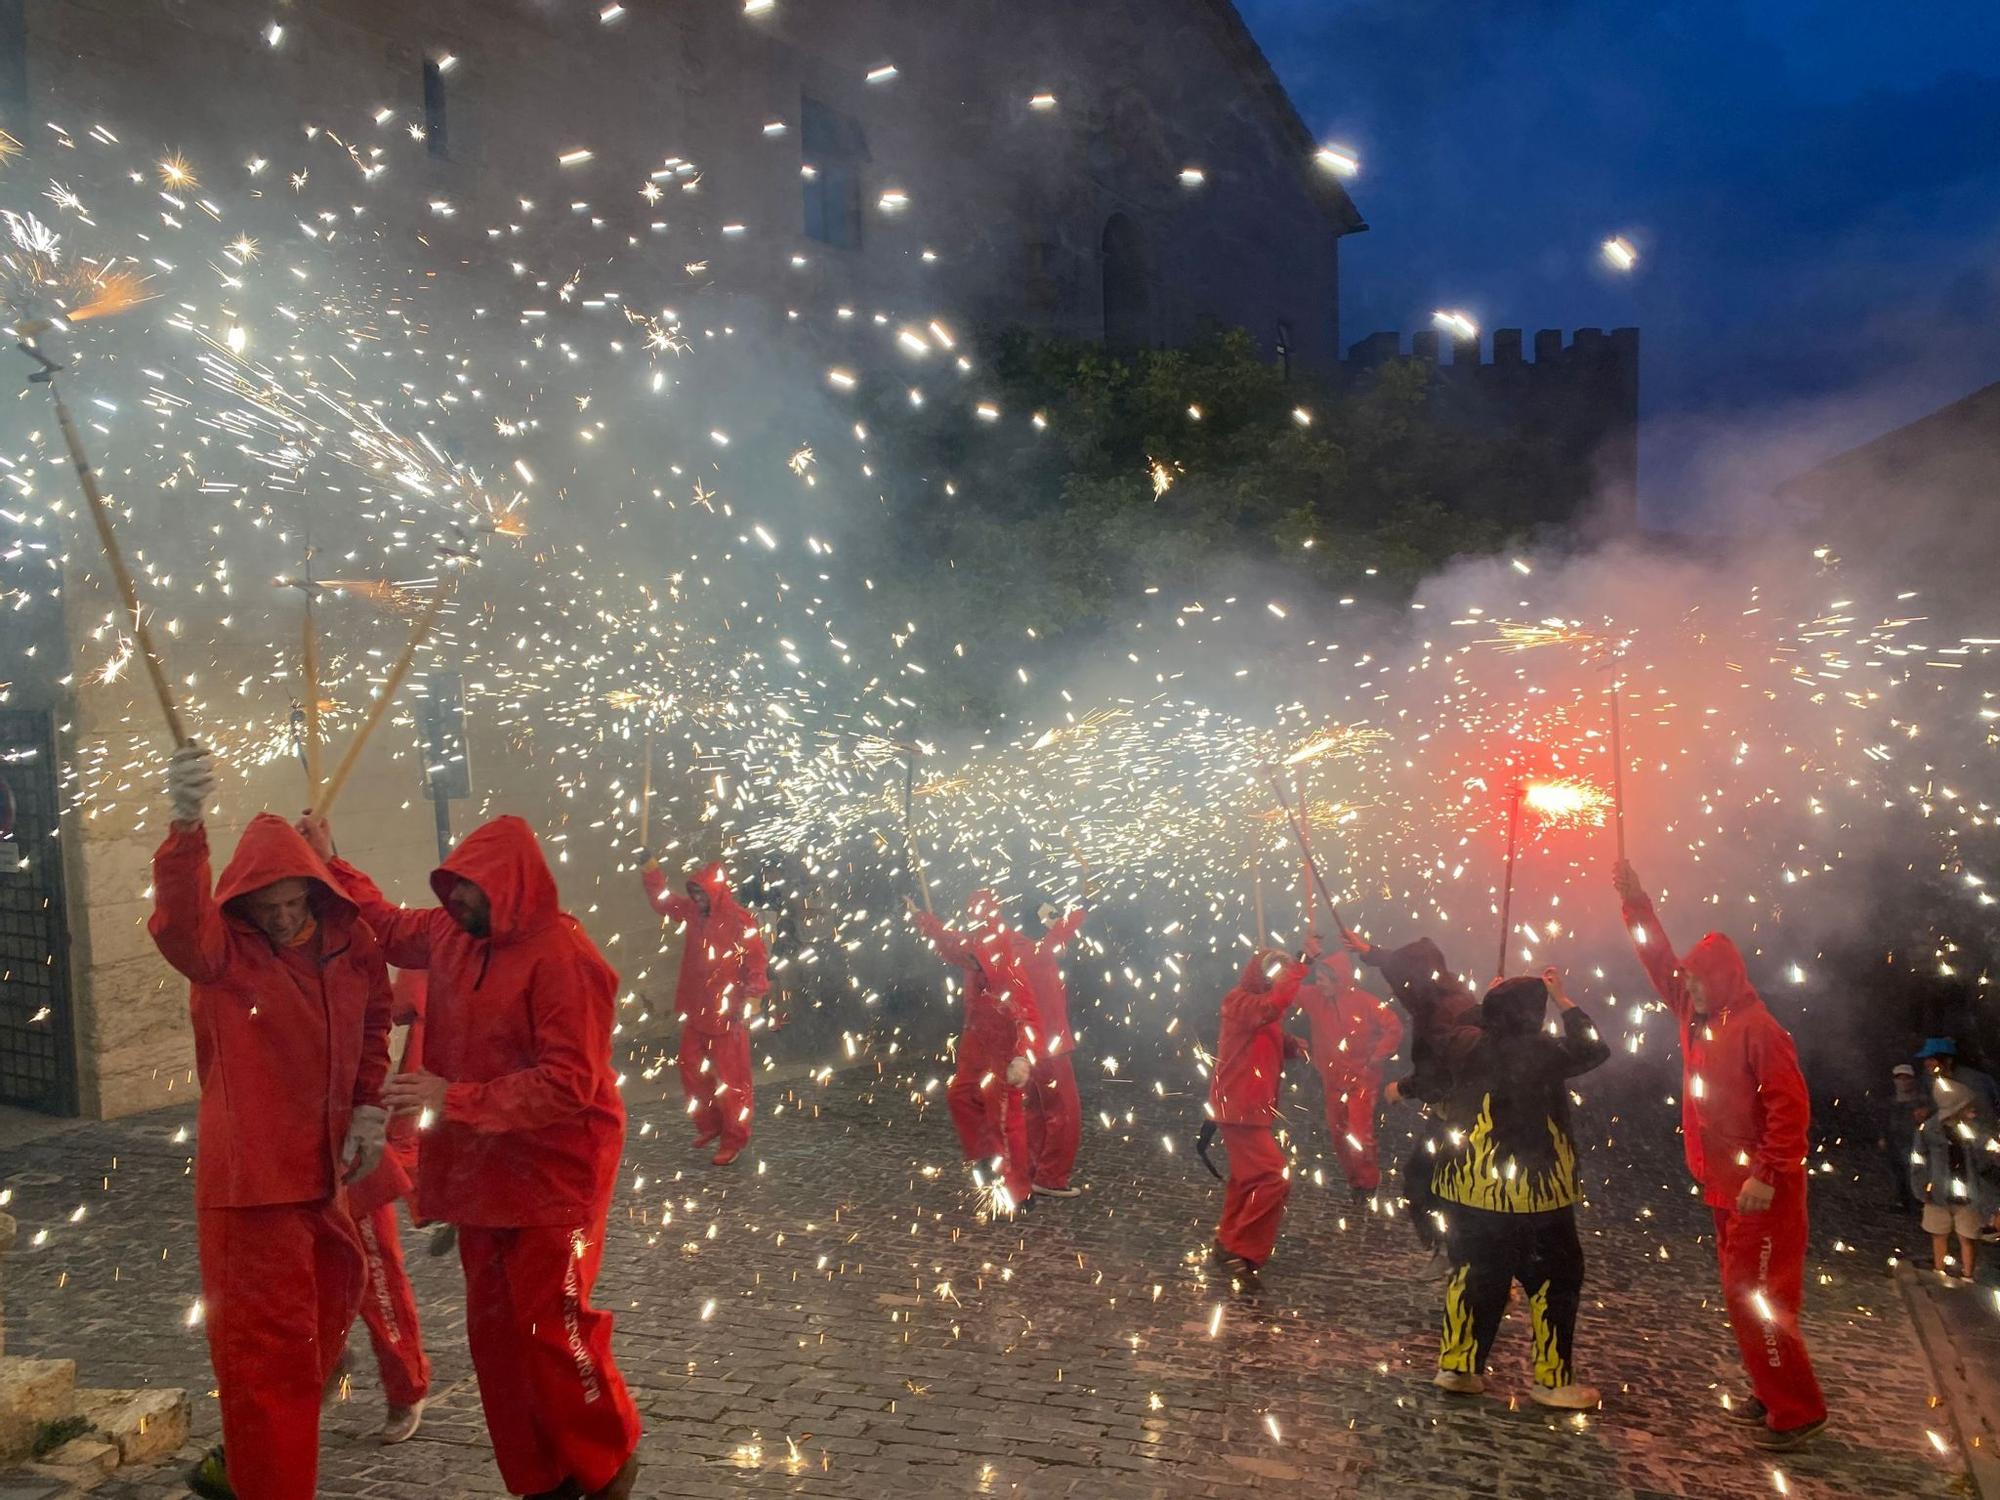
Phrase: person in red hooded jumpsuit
[526,1130]
[1744,1116]
[1250,1058]
[388,1302]
[1055,1114]
[290,1003]
[997,1047]
[724,973]
[1353,1037]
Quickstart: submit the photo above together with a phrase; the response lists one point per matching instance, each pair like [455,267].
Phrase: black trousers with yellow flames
[1490,1252]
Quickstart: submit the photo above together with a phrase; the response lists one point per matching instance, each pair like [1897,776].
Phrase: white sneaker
[1565,1397]
[401,1425]
[1062,1192]
[1459,1383]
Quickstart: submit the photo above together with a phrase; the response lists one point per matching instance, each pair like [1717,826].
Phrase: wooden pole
[646,789]
[1617,771]
[100,513]
[1305,851]
[909,834]
[309,661]
[1257,887]
[917,869]
[1507,890]
[380,706]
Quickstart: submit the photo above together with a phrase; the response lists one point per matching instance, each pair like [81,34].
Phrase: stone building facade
[1129,170]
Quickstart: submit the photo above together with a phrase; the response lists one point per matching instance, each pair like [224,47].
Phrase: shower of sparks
[1566,804]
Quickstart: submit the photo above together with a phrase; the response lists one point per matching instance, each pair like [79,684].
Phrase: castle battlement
[1580,396]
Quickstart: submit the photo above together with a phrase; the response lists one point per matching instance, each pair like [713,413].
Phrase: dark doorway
[1128,312]
[37,1029]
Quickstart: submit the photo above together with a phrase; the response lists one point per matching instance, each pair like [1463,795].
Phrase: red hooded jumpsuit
[1000,1025]
[723,975]
[1055,1114]
[287,1041]
[1243,1097]
[388,1302]
[525,1155]
[1744,1113]
[1353,1036]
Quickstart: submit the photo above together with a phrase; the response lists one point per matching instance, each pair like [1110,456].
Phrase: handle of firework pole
[1507,890]
[1076,853]
[107,536]
[1617,769]
[380,707]
[1312,864]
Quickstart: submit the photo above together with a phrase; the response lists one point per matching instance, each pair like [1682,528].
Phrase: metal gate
[37,1034]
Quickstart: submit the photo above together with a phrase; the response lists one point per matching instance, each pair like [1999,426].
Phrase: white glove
[1017,1073]
[367,1137]
[190,782]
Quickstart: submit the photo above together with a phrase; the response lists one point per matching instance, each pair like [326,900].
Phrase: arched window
[1127,300]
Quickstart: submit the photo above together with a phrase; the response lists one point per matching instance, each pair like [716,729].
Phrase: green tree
[1010,542]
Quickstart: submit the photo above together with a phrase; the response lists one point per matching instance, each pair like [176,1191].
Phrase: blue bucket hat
[1938,1046]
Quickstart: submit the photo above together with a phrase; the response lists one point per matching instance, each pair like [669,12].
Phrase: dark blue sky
[1815,188]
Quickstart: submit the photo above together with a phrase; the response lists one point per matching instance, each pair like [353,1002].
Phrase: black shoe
[210,1478]
[1786,1438]
[1750,1411]
[569,1489]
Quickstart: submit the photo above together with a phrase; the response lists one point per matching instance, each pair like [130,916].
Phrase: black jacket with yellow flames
[1509,1149]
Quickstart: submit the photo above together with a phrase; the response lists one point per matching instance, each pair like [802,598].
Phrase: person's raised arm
[1649,941]
[1062,933]
[186,925]
[1582,1047]
[953,947]
[405,934]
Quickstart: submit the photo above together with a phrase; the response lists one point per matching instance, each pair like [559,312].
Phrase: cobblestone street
[832,1318]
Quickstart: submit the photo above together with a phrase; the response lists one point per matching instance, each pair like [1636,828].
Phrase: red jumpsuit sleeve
[1649,941]
[375,1025]
[187,925]
[1388,1034]
[405,935]
[952,947]
[570,1018]
[1061,935]
[1783,1109]
[756,971]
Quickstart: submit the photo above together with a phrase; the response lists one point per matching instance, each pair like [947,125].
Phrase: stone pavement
[832,1317]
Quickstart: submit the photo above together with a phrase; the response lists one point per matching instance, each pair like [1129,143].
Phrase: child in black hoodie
[1506,1184]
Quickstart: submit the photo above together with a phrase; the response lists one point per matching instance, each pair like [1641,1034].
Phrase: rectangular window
[833,151]
[436,141]
[14,66]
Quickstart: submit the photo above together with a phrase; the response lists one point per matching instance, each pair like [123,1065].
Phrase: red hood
[1257,970]
[983,906]
[1716,962]
[272,850]
[503,859]
[1340,966]
[722,902]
